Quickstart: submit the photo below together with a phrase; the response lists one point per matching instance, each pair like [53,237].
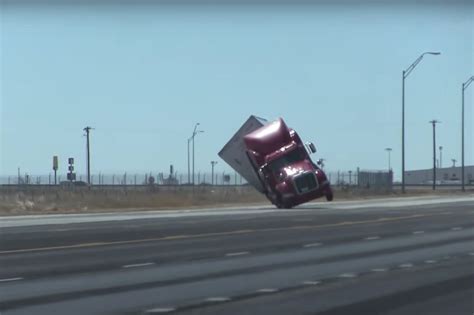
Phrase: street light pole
[405,74]
[434,122]
[189,164]
[195,132]
[213,163]
[440,156]
[389,150]
[87,130]
[464,87]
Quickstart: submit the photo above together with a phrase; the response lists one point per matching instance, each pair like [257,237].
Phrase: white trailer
[234,152]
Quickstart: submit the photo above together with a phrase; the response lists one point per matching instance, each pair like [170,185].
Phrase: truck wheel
[280,204]
[329,195]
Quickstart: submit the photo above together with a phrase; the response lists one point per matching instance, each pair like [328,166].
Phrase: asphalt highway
[394,256]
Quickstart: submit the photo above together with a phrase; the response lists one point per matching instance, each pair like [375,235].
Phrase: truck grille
[305,182]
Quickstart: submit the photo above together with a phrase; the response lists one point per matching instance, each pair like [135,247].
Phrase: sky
[142,75]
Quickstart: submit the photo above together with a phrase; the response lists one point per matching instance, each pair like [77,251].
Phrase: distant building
[445,175]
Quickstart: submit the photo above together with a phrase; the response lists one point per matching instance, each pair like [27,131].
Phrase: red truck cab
[284,167]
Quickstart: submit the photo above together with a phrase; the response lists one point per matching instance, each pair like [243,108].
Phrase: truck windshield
[289,158]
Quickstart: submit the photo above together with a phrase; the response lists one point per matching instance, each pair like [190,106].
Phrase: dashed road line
[372,238]
[311,282]
[236,254]
[471,254]
[430,261]
[456,228]
[379,269]
[160,310]
[138,265]
[418,232]
[312,245]
[348,275]
[217,299]
[11,279]
[267,290]
[407,265]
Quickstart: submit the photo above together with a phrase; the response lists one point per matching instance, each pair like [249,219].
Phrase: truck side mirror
[311,147]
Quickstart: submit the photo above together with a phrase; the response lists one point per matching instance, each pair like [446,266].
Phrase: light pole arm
[416,62]
[412,66]
[467,83]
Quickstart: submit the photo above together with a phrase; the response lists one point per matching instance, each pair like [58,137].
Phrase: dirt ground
[48,201]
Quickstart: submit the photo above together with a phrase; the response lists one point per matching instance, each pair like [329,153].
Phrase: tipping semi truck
[273,159]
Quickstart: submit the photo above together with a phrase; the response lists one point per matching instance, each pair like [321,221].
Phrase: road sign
[55,163]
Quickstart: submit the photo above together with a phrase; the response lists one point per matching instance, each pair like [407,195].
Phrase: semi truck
[275,161]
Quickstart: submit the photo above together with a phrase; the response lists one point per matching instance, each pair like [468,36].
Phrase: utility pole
[440,156]
[213,163]
[454,162]
[87,130]
[434,122]
[464,87]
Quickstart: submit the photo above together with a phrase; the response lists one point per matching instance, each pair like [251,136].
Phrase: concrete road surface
[394,256]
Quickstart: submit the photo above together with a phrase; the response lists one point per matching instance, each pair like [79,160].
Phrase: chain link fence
[347,178]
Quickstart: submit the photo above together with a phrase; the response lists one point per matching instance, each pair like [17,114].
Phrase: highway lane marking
[379,269]
[430,261]
[302,220]
[311,282]
[138,265]
[418,232]
[217,299]
[237,232]
[11,279]
[471,254]
[348,275]
[312,245]
[267,290]
[236,254]
[372,238]
[160,310]
[457,228]
[407,265]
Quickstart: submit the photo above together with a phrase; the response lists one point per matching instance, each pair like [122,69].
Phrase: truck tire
[280,204]
[329,195]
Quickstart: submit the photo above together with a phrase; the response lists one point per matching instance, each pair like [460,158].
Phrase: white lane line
[267,290]
[408,265]
[456,228]
[471,254]
[218,299]
[372,238]
[138,265]
[236,254]
[311,282]
[159,310]
[430,261]
[379,270]
[312,245]
[418,232]
[11,279]
[348,275]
